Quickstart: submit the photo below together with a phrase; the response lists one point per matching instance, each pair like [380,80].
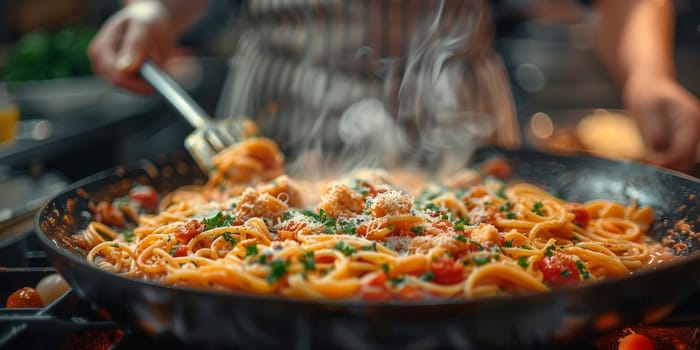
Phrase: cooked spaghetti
[253,229]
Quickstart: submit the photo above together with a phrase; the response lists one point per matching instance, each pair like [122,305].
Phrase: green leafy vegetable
[344,248]
[537,208]
[251,250]
[278,268]
[522,261]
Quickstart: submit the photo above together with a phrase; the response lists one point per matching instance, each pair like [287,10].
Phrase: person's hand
[668,117]
[136,32]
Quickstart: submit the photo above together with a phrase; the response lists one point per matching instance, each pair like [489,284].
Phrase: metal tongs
[209,137]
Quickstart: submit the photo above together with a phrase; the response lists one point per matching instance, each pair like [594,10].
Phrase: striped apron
[363,76]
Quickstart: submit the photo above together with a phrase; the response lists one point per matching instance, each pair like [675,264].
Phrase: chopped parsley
[397,280]
[460,238]
[308,260]
[173,250]
[418,230]
[286,216]
[565,273]
[501,192]
[537,208]
[444,216]
[504,207]
[116,245]
[344,248]
[465,262]
[348,228]
[251,250]
[522,261]
[459,224]
[264,259]
[508,244]
[228,238]
[428,276]
[385,268]
[321,217]
[510,216]
[549,250]
[218,220]
[481,260]
[575,239]
[525,247]
[372,247]
[582,270]
[278,268]
[128,236]
[431,207]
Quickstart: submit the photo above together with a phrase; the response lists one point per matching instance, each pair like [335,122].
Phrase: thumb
[133,49]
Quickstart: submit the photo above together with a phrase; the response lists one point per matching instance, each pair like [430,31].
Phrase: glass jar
[9,115]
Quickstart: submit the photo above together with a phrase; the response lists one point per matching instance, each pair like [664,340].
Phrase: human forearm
[636,36]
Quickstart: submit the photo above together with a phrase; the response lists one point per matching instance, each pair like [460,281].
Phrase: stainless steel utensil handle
[174,94]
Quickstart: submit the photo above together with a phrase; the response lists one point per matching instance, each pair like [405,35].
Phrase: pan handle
[175,95]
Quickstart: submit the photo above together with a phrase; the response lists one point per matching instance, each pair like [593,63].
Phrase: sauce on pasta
[253,229]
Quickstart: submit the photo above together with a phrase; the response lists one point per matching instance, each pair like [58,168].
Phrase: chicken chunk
[424,244]
[486,235]
[255,204]
[284,189]
[391,203]
[341,201]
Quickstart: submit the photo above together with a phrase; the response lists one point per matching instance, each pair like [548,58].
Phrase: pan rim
[559,292]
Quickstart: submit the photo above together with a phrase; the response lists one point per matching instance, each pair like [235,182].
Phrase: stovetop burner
[71,323]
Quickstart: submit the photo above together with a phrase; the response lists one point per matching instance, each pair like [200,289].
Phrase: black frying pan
[201,318]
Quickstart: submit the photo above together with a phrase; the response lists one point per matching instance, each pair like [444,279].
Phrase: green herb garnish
[278,268]
[460,238]
[481,260]
[537,208]
[344,248]
[418,230]
[128,236]
[218,220]
[549,251]
[251,250]
[522,261]
[228,238]
[308,259]
[385,268]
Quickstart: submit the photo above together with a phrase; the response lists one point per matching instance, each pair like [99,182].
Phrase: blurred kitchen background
[72,126]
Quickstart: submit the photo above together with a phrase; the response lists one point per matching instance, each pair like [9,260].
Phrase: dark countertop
[118,127]
[73,130]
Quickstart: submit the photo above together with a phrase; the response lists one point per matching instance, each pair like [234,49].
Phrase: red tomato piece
[497,167]
[581,217]
[447,271]
[107,214]
[180,250]
[409,293]
[184,233]
[26,297]
[324,259]
[374,287]
[144,196]
[558,270]
[635,341]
